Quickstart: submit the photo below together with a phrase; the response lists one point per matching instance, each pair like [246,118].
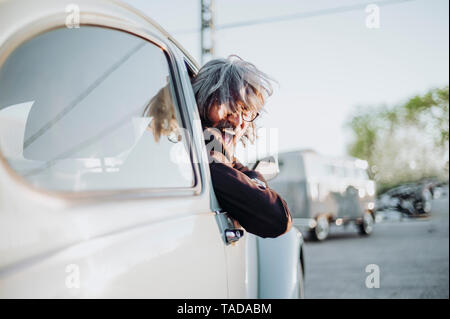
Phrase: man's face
[231,125]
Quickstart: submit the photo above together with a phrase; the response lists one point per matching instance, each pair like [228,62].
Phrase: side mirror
[267,167]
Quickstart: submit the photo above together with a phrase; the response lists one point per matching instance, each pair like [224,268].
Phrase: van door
[100,195]
[240,247]
[242,258]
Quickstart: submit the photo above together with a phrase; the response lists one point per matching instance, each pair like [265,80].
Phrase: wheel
[320,232]
[407,208]
[366,226]
[426,202]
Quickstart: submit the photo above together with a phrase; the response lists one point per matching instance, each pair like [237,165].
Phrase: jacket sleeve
[260,210]
[250,173]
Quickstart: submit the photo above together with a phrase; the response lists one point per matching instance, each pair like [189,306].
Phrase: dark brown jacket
[259,209]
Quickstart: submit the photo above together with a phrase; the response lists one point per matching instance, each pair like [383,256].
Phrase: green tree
[406,142]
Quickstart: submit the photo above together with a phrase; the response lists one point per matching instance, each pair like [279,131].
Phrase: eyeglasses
[249,116]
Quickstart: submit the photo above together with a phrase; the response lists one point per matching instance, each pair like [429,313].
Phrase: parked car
[412,199]
[322,191]
[440,189]
[98,197]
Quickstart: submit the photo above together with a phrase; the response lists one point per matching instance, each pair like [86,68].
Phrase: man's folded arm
[258,209]
[250,173]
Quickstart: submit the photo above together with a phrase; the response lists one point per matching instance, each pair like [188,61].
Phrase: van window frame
[52,23]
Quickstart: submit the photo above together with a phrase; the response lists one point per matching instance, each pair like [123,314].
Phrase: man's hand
[217,148]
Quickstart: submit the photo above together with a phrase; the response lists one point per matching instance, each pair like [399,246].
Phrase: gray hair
[233,82]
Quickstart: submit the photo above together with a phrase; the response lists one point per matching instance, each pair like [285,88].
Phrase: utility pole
[207,31]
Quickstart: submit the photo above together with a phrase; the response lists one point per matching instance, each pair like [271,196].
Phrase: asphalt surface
[412,256]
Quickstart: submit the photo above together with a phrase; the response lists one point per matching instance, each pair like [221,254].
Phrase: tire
[367,224]
[407,208]
[322,229]
[427,196]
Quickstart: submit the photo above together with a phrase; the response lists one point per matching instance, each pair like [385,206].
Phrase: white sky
[325,65]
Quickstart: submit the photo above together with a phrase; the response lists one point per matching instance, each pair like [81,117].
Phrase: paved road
[412,255]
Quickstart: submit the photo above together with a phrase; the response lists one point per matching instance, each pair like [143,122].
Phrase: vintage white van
[92,205]
[323,191]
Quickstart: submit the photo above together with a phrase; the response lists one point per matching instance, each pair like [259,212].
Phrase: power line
[295,16]
[81,97]
[113,128]
[304,15]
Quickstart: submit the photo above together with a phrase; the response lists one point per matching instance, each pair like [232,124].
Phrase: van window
[92,109]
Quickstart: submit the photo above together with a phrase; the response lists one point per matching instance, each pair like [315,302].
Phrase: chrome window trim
[57,21]
[214,203]
[191,64]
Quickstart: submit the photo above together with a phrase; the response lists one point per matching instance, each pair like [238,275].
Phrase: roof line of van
[165,33]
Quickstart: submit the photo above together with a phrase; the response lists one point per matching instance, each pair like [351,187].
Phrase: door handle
[233,235]
[230,233]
